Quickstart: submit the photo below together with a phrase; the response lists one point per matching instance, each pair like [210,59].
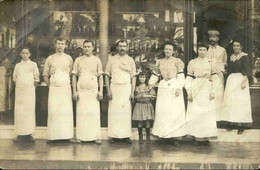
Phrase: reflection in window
[146,32]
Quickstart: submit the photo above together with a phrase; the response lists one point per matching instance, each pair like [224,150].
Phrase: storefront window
[146,25]
[77,26]
[256,63]
[37,24]
[146,28]
[232,19]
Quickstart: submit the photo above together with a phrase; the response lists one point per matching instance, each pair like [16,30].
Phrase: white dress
[88,69]
[121,69]
[60,113]
[237,102]
[201,113]
[169,110]
[218,56]
[25,75]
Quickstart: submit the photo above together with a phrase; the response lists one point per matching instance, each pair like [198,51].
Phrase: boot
[112,140]
[128,140]
[176,143]
[17,139]
[140,132]
[195,143]
[30,138]
[240,131]
[206,143]
[148,140]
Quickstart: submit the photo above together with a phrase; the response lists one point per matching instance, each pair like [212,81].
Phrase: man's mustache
[121,50]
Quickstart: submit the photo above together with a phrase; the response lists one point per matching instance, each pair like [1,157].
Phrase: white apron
[201,113]
[219,92]
[236,102]
[88,126]
[119,112]
[169,111]
[60,113]
[24,111]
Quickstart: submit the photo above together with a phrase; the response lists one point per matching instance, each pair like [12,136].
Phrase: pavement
[160,154]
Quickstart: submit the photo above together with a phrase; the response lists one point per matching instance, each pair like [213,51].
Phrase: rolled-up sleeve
[224,57]
[108,67]
[71,63]
[15,73]
[36,73]
[46,67]
[99,67]
[75,70]
[133,68]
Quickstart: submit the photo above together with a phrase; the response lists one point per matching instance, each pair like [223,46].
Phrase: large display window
[145,24]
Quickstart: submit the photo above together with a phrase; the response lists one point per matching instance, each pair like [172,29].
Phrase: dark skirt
[143,111]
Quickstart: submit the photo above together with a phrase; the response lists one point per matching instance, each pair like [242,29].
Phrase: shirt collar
[171,58]
[59,54]
[27,61]
[84,56]
[215,46]
[119,56]
[234,57]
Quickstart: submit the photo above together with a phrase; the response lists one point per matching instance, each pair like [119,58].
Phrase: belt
[144,102]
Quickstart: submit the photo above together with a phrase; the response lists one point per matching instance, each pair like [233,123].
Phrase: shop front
[146,25]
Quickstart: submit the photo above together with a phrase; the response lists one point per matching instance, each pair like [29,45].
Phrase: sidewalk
[157,155]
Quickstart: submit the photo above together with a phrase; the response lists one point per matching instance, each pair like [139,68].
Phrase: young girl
[25,76]
[143,111]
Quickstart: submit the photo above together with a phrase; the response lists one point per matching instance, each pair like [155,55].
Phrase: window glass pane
[147,28]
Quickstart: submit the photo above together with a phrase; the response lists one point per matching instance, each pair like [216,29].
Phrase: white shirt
[218,56]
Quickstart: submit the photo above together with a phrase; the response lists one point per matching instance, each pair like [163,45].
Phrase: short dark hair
[25,47]
[88,41]
[202,44]
[60,39]
[121,41]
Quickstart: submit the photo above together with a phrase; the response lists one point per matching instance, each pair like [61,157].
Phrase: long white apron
[219,92]
[119,112]
[88,126]
[60,113]
[24,111]
[236,102]
[169,111]
[201,113]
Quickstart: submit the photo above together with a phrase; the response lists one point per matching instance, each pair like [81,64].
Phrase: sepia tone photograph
[129,84]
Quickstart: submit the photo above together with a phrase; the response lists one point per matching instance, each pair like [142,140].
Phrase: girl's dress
[143,108]
[236,102]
